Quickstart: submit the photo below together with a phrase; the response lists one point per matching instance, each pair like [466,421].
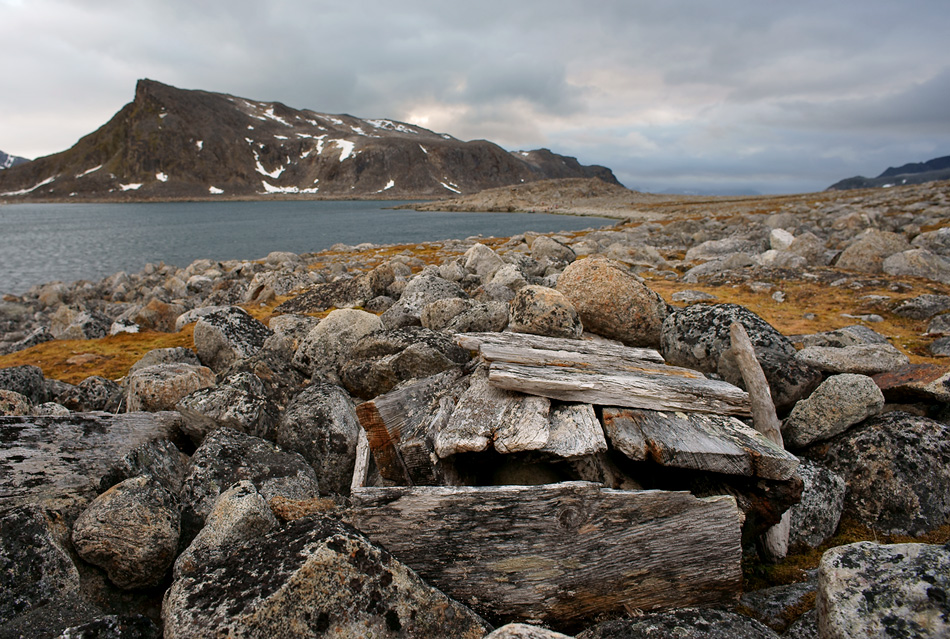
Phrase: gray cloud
[778,97]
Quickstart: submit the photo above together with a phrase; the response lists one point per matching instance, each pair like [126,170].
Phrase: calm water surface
[46,242]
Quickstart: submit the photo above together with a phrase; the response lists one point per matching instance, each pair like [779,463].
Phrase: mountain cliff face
[171,143]
[8,161]
[913,173]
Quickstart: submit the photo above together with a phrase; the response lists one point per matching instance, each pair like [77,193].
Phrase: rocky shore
[538,436]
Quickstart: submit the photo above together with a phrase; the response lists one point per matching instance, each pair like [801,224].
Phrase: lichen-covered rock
[25,380]
[897,468]
[544,247]
[162,386]
[937,241]
[524,631]
[84,324]
[918,263]
[35,570]
[421,290]
[715,249]
[923,306]
[192,316]
[51,409]
[159,459]
[226,457]
[539,310]
[312,578]
[862,359]
[776,607]
[240,513]
[158,316]
[174,355]
[131,531]
[847,336]
[52,619]
[814,519]
[92,394]
[869,250]
[612,302]
[482,261]
[321,425]
[789,380]
[13,404]
[275,370]
[238,402]
[683,623]
[837,404]
[115,627]
[871,590]
[228,335]
[458,315]
[327,346]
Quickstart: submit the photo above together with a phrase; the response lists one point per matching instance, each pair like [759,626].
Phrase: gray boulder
[275,369]
[897,468]
[524,631]
[937,241]
[94,393]
[939,325]
[715,249]
[421,290]
[871,590]
[812,248]
[918,263]
[161,387]
[131,531]
[327,347]
[159,459]
[714,269]
[321,425]
[174,355]
[13,404]
[35,569]
[863,359]
[458,315]
[814,519]
[789,380]
[226,457]
[683,623]
[25,380]
[115,627]
[544,247]
[228,335]
[837,404]
[312,578]
[806,627]
[847,336]
[776,606]
[192,316]
[923,306]
[482,261]
[869,250]
[238,402]
[539,310]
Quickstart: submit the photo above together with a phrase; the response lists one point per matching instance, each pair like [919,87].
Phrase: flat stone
[838,403]
[682,623]
[863,359]
[915,382]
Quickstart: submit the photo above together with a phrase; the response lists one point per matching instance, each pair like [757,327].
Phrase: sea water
[47,242]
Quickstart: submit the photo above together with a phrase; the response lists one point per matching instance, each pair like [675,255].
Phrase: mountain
[172,143]
[913,173]
[8,161]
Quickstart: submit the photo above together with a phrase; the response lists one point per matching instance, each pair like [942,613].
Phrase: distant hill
[8,161]
[172,143]
[914,173]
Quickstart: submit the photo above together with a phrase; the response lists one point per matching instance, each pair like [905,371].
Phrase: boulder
[227,456]
[51,409]
[871,590]
[847,336]
[862,359]
[716,249]
[897,468]
[915,383]
[780,239]
[52,620]
[937,241]
[192,316]
[174,355]
[778,607]
[327,347]
[131,531]
[814,519]
[918,263]
[13,404]
[539,310]
[939,325]
[78,325]
[159,459]
[923,306]
[35,569]
[228,335]
[274,368]
[482,261]
[321,425]
[524,631]
[94,394]
[781,259]
[869,250]
[311,578]
[159,316]
[25,380]
[714,269]
[240,513]
[508,276]
[789,380]
[382,359]
[812,248]
[682,623]
[161,387]
[115,627]
[612,302]
[458,315]
[544,247]
[238,402]
[420,291]
[837,404]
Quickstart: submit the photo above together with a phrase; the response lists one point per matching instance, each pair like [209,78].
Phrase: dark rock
[58,461]
[35,570]
[940,347]
[539,310]
[52,620]
[238,402]
[789,380]
[939,325]
[923,306]
[159,459]
[280,378]
[312,578]
[715,249]
[779,606]
[131,531]
[25,380]
[897,468]
[161,387]
[683,623]
[458,315]
[380,360]
[814,519]
[871,590]
[115,627]
[837,404]
[342,293]
[227,456]
[228,335]
[806,627]
[36,336]
[915,382]
[321,425]
[94,394]
[862,359]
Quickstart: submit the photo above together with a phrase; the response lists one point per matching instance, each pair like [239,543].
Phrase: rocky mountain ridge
[171,143]
[911,173]
[7,161]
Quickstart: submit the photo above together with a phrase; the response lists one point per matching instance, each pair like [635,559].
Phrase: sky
[701,95]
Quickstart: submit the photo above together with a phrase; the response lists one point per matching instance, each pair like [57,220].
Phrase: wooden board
[629,389]
[522,348]
[716,443]
[559,554]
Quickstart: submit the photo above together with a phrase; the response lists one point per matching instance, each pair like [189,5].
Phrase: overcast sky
[702,94]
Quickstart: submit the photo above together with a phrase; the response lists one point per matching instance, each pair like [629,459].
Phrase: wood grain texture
[628,389]
[559,553]
[715,443]
[530,349]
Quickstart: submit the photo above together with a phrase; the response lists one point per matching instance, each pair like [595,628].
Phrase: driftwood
[716,443]
[559,553]
[521,348]
[774,543]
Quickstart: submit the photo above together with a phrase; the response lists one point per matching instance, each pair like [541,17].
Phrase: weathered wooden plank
[628,389]
[716,443]
[559,553]
[774,542]
[521,348]
[575,431]
[361,466]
